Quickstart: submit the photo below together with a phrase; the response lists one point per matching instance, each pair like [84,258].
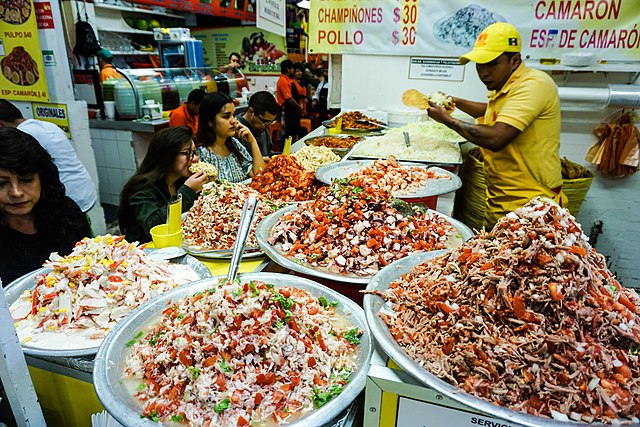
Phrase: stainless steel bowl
[263,231]
[433,187]
[109,362]
[373,304]
[28,282]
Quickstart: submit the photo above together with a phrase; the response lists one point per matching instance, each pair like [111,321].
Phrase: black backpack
[86,40]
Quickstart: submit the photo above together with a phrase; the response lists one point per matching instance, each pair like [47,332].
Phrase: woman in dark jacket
[163,173]
[36,218]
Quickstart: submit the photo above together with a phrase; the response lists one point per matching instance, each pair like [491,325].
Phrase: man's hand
[438,113]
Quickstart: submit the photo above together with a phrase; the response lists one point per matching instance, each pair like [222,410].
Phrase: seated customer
[262,113]
[163,173]
[36,218]
[187,113]
[219,136]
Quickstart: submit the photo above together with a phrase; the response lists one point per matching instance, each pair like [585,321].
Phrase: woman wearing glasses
[164,172]
[218,139]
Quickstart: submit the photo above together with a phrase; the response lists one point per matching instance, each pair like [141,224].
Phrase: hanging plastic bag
[86,40]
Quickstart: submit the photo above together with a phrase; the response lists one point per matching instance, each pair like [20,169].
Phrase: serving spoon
[248,211]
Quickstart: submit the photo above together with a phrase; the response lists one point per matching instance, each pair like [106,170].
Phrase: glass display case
[142,90]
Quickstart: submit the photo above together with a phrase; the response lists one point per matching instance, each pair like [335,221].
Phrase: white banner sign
[271,16]
[605,29]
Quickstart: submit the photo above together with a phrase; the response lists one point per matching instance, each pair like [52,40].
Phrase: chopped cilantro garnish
[134,339]
[298,261]
[329,215]
[197,294]
[253,288]
[323,302]
[269,286]
[220,407]
[634,349]
[287,316]
[313,256]
[320,399]
[278,324]
[177,418]
[285,303]
[141,386]
[195,372]
[353,335]
[224,366]
[180,316]
[154,416]
[154,340]
[236,293]
[613,289]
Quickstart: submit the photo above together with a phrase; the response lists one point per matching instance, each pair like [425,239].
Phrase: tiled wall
[115,161]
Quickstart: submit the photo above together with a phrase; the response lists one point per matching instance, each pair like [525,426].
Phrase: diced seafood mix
[527,316]
[92,288]
[213,221]
[285,179]
[353,228]
[242,353]
[389,175]
[357,120]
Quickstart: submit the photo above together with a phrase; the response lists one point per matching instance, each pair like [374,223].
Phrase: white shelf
[613,67]
[136,9]
[125,30]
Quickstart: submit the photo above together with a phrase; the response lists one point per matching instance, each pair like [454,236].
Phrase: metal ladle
[248,211]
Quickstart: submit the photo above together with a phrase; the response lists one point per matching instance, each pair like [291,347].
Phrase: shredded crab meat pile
[527,316]
[285,179]
[213,221]
[101,281]
[243,352]
[391,176]
[352,228]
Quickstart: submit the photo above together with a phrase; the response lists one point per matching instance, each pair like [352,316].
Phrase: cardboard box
[179,34]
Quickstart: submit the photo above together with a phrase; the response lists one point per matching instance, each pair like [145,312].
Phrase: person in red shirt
[187,113]
[300,87]
[290,106]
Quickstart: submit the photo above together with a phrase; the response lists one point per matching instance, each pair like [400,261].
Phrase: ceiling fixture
[304,4]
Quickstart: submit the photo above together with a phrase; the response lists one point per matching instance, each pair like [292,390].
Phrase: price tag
[405,15]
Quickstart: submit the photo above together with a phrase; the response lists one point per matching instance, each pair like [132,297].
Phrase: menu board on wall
[605,29]
[261,52]
[234,9]
[22,76]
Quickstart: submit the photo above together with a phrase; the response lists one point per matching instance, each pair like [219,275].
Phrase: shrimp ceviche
[399,179]
[353,228]
[239,354]
[527,316]
[286,180]
[89,290]
[213,221]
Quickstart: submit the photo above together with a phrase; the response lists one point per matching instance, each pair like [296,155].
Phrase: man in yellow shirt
[518,129]
[107,71]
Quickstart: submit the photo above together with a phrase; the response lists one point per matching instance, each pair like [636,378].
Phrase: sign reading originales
[602,29]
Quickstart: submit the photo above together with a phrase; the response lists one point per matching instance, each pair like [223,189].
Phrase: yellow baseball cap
[492,42]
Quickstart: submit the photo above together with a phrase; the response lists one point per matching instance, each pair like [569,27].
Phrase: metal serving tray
[28,282]
[433,187]
[263,231]
[374,304]
[109,362]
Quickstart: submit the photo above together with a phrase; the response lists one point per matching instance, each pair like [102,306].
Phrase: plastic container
[163,240]
[125,101]
[170,94]
[398,119]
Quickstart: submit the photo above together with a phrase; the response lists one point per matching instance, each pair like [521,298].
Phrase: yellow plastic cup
[161,239]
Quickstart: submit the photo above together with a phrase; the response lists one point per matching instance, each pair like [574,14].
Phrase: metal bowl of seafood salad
[375,305]
[239,367]
[99,283]
[270,228]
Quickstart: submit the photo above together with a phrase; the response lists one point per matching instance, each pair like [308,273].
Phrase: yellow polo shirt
[529,102]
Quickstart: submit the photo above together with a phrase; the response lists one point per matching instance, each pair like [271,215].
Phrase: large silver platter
[374,304]
[28,282]
[263,231]
[433,187]
[109,362]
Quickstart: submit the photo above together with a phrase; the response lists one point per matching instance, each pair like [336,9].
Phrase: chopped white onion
[559,416]
[616,363]
[575,416]
[593,383]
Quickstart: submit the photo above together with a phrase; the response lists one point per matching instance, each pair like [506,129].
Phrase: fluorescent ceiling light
[304,4]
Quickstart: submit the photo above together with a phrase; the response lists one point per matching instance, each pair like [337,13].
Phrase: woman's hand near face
[197,181]
[243,133]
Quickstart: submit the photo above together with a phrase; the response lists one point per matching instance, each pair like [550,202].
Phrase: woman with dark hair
[36,217]
[164,172]
[217,128]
